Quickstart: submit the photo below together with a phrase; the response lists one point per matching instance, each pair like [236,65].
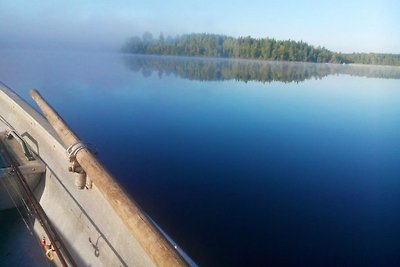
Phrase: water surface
[18,247]
[242,163]
[2,163]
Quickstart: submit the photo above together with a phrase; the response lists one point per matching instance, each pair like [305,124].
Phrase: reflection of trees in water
[246,70]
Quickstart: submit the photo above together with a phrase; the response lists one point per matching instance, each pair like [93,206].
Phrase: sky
[342,26]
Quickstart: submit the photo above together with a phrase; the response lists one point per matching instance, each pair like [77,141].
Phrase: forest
[214,45]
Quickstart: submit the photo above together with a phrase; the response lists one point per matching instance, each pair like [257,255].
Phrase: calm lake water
[2,163]
[242,163]
[18,247]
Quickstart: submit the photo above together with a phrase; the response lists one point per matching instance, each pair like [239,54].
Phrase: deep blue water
[18,247]
[239,171]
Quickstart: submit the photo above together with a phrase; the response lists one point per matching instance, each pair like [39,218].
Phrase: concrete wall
[91,231]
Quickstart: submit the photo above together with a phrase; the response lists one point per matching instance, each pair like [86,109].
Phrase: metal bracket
[23,144]
[80,174]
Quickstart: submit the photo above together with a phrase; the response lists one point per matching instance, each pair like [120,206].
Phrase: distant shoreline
[221,46]
[255,60]
[220,69]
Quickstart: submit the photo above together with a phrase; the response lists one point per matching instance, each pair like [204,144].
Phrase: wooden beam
[155,245]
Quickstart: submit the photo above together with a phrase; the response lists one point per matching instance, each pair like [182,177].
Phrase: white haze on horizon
[343,26]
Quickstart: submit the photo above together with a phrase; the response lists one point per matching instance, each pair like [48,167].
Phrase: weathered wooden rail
[152,241]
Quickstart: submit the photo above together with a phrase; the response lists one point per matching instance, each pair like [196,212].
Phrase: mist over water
[345,27]
[241,163]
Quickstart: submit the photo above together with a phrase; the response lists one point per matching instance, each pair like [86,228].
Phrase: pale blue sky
[346,26]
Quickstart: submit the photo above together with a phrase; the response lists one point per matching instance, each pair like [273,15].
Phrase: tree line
[214,45]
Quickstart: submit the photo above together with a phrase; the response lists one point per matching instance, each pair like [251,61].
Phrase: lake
[2,162]
[242,163]
[18,245]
